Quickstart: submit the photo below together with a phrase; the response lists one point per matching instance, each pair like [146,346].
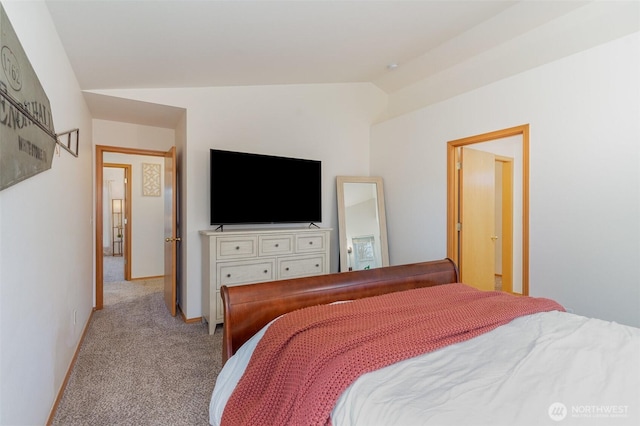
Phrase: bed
[426,350]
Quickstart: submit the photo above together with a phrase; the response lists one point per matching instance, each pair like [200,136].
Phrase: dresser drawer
[310,242]
[275,244]
[246,256]
[236,247]
[294,267]
[246,272]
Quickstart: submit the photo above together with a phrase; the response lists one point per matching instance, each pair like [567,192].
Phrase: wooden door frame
[100,150]
[453,195]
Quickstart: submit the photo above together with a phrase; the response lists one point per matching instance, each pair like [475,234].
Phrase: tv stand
[240,257]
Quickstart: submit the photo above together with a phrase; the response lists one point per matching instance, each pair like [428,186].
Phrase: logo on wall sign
[11,68]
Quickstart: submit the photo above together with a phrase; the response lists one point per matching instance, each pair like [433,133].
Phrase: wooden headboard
[248,308]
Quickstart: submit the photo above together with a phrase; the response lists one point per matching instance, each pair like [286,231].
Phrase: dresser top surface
[211,232]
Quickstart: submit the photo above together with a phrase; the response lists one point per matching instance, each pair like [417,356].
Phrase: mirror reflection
[362,223]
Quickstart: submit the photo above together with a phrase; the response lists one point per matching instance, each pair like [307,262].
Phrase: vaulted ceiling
[393,44]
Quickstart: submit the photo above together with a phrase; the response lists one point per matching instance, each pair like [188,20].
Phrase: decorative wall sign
[151,180]
[27,136]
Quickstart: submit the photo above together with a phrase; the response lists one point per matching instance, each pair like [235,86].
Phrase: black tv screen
[253,188]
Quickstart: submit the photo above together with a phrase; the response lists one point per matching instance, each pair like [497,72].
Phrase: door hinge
[458,166]
[458,226]
[125,180]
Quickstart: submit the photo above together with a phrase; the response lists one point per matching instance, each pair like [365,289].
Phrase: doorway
[168,283]
[116,232]
[474,239]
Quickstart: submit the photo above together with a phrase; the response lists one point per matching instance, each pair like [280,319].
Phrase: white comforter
[547,368]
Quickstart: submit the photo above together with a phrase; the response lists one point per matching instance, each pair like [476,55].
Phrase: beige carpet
[140,366]
[123,291]
[112,268]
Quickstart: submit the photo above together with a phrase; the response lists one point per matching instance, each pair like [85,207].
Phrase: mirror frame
[382,218]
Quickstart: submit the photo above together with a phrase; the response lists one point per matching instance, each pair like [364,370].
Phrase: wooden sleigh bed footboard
[248,308]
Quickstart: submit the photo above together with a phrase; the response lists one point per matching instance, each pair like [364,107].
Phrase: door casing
[453,193]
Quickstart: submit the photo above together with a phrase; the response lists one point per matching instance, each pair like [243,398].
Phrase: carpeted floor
[140,366]
[127,291]
[113,269]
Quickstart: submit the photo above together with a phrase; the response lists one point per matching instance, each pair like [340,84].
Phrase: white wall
[127,135]
[329,122]
[46,241]
[584,183]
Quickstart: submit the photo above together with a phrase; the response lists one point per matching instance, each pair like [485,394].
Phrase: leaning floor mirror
[362,223]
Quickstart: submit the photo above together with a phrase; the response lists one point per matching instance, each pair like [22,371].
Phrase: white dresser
[249,256]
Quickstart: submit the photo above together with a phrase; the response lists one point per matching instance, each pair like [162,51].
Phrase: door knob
[494,237]
[169,240]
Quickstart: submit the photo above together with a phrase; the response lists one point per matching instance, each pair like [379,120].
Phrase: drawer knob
[237,247]
[277,245]
[265,271]
[228,275]
[286,269]
[310,243]
[317,265]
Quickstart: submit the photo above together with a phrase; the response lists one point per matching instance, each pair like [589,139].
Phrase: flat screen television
[250,188]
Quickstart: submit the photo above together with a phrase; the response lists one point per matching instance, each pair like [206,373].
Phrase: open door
[170,230]
[477,218]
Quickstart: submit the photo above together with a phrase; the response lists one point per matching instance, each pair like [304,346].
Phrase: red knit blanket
[308,357]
